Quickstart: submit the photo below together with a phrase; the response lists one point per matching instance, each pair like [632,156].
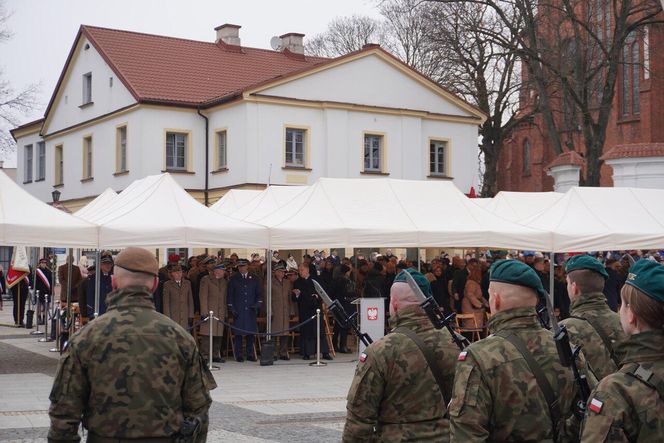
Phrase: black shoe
[327,357]
[218,360]
[239,359]
[345,351]
[251,358]
[306,357]
[284,357]
[275,358]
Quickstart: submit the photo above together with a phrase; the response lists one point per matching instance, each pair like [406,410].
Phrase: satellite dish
[275,42]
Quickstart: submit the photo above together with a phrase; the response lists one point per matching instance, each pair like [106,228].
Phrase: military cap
[137,260]
[106,259]
[518,273]
[219,266]
[419,278]
[174,258]
[207,260]
[279,267]
[242,262]
[648,277]
[175,268]
[579,262]
[528,253]
[43,260]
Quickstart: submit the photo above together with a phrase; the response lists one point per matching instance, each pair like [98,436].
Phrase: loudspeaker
[29,317]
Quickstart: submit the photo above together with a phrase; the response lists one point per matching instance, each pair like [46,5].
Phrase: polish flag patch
[596,405]
[462,356]
[363,357]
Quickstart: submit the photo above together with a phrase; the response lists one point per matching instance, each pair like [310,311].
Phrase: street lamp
[56,195]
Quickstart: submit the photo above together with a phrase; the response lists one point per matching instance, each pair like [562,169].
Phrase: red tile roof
[567,158]
[637,150]
[179,71]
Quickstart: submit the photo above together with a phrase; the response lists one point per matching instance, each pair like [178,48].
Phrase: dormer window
[87,88]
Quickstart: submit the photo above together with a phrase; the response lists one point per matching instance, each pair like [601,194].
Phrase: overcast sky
[44,30]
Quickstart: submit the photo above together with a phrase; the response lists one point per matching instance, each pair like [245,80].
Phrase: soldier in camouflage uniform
[629,404]
[592,324]
[132,373]
[496,395]
[394,395]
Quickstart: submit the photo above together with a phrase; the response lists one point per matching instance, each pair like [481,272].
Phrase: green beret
[648,277]
[518,273]
[583,261]
[419,278]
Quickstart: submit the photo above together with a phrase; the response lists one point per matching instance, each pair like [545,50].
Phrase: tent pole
[268,282]
[68,318]
[551,277]
[97,283]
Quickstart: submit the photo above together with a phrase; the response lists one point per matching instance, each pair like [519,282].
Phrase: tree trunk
[593,163]
[490,177]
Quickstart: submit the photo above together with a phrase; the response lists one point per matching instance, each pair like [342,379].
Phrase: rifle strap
[648,378]
[542,381]
[434,367]
[605,338]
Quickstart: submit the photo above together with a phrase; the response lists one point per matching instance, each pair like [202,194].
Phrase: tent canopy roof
[233,200]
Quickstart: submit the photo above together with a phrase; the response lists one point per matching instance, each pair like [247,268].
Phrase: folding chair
[474,329]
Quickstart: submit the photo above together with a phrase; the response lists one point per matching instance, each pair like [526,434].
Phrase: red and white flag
[43,278]
[19,267]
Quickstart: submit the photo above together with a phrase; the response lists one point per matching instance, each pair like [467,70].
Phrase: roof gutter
[206,191]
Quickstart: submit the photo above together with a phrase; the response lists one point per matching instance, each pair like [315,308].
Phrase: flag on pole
[19,267]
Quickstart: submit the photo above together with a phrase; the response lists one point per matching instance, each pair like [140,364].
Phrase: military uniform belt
[94,438]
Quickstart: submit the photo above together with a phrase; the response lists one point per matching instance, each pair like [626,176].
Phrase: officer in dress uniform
[592,324]
[244,302]
[629,404]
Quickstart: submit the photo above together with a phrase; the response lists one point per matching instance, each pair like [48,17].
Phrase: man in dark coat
[244,302]
[613,284]
[307,299]
[43,284]
[105,286]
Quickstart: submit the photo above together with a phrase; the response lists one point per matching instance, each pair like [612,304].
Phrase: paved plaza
[287,402]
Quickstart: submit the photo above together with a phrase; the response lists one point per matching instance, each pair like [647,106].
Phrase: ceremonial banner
[19,267]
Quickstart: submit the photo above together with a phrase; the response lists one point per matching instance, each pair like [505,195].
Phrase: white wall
[67,109]
[643,172]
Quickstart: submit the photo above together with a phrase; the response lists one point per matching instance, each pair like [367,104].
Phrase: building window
[437,157]
[176,150]
[631,73]
[222,154]
[295,139]
[121,149]
[373,145]
[87,88]
[59,165]
[27,172]
[87,157]
[41,160]
[526,157]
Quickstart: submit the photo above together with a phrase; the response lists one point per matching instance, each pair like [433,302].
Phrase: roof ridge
[311,57]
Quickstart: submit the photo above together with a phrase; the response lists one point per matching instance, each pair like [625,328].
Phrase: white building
[219,115]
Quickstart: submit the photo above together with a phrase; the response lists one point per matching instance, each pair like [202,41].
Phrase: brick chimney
[228,34]
[293,43]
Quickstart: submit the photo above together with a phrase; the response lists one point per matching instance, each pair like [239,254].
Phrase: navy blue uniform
[244,302]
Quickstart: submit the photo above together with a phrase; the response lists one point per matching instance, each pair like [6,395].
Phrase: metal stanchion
[57,331]
[210,319]
[39,305]
[47,314]
[317,362]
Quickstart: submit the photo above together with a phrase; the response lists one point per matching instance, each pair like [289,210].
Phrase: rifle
[435,312]
[340,314]
[568,357]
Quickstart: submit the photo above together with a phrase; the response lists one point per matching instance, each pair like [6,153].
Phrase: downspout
[207,158]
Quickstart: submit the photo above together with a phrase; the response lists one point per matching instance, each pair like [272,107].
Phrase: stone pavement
[288,402]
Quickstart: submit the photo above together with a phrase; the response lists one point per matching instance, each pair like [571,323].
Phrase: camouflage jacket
[131,373]
[623,408]
[594,308]
[394,396]
[496,396]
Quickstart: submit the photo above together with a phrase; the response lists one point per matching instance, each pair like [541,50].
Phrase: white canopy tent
[266,202]
[234,199]
[482,202]
[601,219]
[399,213]
[519,206]
[102,200]
[27,221]
[157,212]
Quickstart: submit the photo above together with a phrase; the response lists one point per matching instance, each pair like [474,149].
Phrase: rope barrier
[265,334]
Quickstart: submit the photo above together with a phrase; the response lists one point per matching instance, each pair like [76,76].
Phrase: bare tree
[344,35]
[13,104]
[573,51]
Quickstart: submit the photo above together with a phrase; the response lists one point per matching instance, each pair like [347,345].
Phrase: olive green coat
[282,304]
[212,294]
[179,302]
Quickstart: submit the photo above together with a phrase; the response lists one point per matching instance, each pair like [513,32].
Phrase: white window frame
[292,146]
[28,162]
[373,155]
[173,155]
[222,149]
[88,157]
[59,165]
[121,141]
[87,88]
[41,161]
[438,150]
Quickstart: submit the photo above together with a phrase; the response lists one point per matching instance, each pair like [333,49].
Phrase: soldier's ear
[155,282]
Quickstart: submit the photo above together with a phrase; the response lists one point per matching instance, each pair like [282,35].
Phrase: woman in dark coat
[344,291]
[307,299]
[440,290]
